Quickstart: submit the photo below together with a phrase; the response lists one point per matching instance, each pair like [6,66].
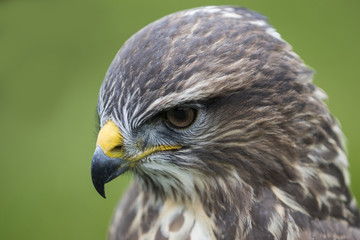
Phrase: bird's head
[210,96]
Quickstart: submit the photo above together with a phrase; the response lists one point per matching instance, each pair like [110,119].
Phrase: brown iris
[180,117]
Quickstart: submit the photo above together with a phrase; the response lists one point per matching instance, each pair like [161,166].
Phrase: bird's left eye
[180,117]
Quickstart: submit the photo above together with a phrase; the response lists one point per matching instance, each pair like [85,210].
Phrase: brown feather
[264,159]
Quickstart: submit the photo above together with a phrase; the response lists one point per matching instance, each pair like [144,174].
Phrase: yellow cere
[111,142]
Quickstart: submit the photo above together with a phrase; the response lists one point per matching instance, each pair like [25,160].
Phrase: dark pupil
[180,114]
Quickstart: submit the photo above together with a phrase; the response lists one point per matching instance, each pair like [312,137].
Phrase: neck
[223,201]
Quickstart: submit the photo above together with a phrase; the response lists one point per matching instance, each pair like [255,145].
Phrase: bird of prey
[225,133]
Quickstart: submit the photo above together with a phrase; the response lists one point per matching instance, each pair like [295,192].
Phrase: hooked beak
[104,169]
[108,161]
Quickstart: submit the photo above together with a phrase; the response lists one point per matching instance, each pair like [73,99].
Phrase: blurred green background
[53,57]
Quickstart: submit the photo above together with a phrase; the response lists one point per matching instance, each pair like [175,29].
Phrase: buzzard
[225,133]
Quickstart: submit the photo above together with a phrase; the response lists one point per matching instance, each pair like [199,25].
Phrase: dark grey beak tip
[104,169]
[100,189]
[98,181]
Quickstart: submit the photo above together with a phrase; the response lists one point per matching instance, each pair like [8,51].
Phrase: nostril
[118,148]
